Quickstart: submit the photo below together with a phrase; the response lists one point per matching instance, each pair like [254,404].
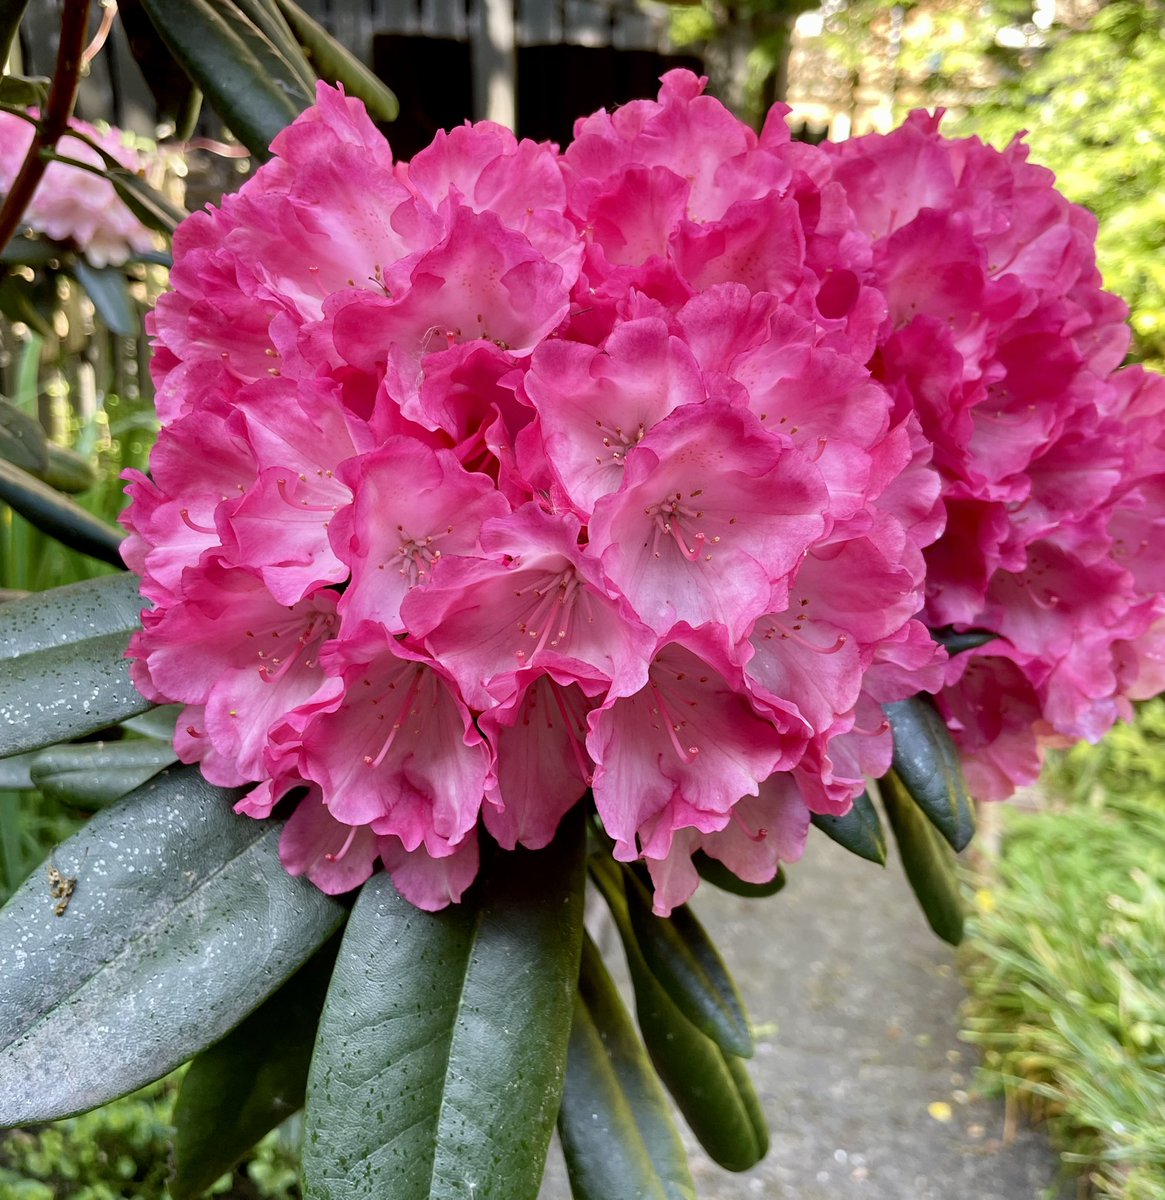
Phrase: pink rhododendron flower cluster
[74,205]
[504,475]
[1002,340]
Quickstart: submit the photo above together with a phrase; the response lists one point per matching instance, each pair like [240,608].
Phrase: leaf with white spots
[180,921]
[63,672]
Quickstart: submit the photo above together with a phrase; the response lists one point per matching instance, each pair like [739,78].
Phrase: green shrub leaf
[181,921]
[928,765]
[618,1137]
[337,64]
[58,516]
[109,291]
[23,441]
[713,871]
[65,673]
[251,86]
[926,858]
[442,1049]
[91,775]
[710,1087]
[682,957]
[242,1087]
[859,830]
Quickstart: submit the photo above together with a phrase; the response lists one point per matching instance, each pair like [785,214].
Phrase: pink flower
[74,205]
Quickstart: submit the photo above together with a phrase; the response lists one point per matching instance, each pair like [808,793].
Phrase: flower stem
[55,120]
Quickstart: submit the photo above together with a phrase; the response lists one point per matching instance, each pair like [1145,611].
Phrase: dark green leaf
[64,670]
[714,1095]
[337,64]
[11,13]
[30,303]
[716,873]
[928,764]
[68,471]
[23,441]
[94,774]
[25,91]
[927,860]
[267,18]
[109,291]
[958,641]
[176,99]
[16,773]
[617,1133]
[442,1048]
[681,956]
[28,251]
[58,516]
[242,1087]
[182,921]
[859,830]
[237,69]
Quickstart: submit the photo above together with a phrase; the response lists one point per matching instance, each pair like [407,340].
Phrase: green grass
[1066,961]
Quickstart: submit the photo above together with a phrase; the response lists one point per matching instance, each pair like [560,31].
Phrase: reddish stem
[55,119]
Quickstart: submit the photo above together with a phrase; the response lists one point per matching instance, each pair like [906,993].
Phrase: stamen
[401,717]
[187,521]
[303,505]
[673,727]
[584,769]
[754,835]
[345,847]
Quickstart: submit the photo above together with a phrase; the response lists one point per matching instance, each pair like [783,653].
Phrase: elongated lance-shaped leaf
[109,291]
[176,100]
[94,774]
[267,18]
[441,1055]
[11,13]
[928,765]
[337,64]
[180,922]
[710,1087]
[926,858]
[243,78]
[242,1087]
[959,641]
[67,615]
[713,871]
[859,831]
[23,441]
[618,1136]
[64,669]
[58,516]
[682,957]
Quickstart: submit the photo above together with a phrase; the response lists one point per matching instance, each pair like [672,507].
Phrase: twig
[54,122]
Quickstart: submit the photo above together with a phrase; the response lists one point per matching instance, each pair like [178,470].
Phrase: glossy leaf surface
[62,655]
[226,57]
[927,763]
[617,1133]
[242,1087]
[713,871]
[58,516]
[927,860]
[859,831]
[91,775]
[181,921]
[682,957]
[442,1050]
[710,1087]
